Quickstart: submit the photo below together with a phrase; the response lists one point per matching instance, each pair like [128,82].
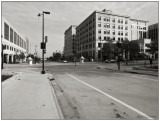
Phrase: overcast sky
[23,16]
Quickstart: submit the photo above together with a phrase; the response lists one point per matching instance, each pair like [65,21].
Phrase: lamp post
[43,43]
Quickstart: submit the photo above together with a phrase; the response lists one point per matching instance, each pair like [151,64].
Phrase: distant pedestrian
[151,61]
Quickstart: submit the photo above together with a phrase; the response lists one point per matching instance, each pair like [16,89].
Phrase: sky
[23,17]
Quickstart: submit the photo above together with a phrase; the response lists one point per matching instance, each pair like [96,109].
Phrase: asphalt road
[104,94]
[96,93]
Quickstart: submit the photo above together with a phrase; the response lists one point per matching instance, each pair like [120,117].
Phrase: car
[64,61]
[107,61]
[110,61]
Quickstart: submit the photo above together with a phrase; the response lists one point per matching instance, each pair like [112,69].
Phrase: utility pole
[43,44]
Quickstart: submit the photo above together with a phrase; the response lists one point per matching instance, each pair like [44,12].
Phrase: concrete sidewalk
[29,95]
[129,69]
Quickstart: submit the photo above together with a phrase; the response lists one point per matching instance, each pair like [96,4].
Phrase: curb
[133,72]
[7,81]
[60,114]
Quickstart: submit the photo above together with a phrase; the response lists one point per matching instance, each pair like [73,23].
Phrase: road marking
[115,99]
[138,77]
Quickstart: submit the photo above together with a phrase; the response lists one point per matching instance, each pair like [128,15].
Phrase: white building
[13,41]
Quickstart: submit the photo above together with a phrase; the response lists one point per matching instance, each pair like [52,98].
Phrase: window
[99,31]
[99,44]
[99,37]
[11,35]
[108,19]
[105,25]
[15,35]
[93,45]
[126,21]
[113,20]
[108,25]
[119,38]
[99,18]
[126,34]
[105,32]
[121,33]
[105,38]
[119,27]
[108,32]
[119,20]
[126,28]
[113,26]
[6,31]
[113,32]
[105,19]
[113,38]
[122,21]
[118,32]
[99,24]
[122,27]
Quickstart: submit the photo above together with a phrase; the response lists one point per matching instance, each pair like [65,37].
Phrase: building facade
[14,43]
[104,25]
[69,40]
[154,35]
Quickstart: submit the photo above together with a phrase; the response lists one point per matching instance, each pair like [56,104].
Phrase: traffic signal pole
[43,71]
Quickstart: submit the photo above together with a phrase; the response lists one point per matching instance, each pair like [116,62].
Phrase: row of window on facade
[113,32]
[113,26]
[138,27]
[10,34]
[113,20]
[90,46]
[7,47]
[113,38]
[153,34]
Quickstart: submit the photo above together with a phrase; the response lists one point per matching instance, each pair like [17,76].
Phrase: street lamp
[43,44]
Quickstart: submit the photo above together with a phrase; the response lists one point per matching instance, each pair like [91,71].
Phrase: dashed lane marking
[115,99]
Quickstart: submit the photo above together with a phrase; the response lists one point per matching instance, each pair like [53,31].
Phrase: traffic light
[44,51]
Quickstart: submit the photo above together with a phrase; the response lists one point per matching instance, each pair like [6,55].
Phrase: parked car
[64,61]
[110,61]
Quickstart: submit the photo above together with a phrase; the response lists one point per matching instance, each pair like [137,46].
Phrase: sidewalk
[29,95]
[130,69]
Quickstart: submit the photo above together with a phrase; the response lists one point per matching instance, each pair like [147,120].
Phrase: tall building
[13,42]
[103,25]
[69,40]
[153,31]
[154,35]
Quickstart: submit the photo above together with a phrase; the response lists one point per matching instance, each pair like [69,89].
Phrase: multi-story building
[153,35]
[153,31]
[13,42]
[69,40]
[101,26]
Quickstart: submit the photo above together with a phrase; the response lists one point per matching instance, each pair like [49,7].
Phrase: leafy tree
[134,49]
[56,56]
[22,55]
[108,49]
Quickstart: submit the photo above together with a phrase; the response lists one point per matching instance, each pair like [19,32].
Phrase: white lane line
[115,99]
[138,77]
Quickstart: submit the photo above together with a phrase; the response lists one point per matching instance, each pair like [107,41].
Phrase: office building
[103,25]
[13,41]
[69,40]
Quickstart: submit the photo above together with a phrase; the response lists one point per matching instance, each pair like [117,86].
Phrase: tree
[125,48]
[108,49]
[134,49]
[22,55]
[56,56]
